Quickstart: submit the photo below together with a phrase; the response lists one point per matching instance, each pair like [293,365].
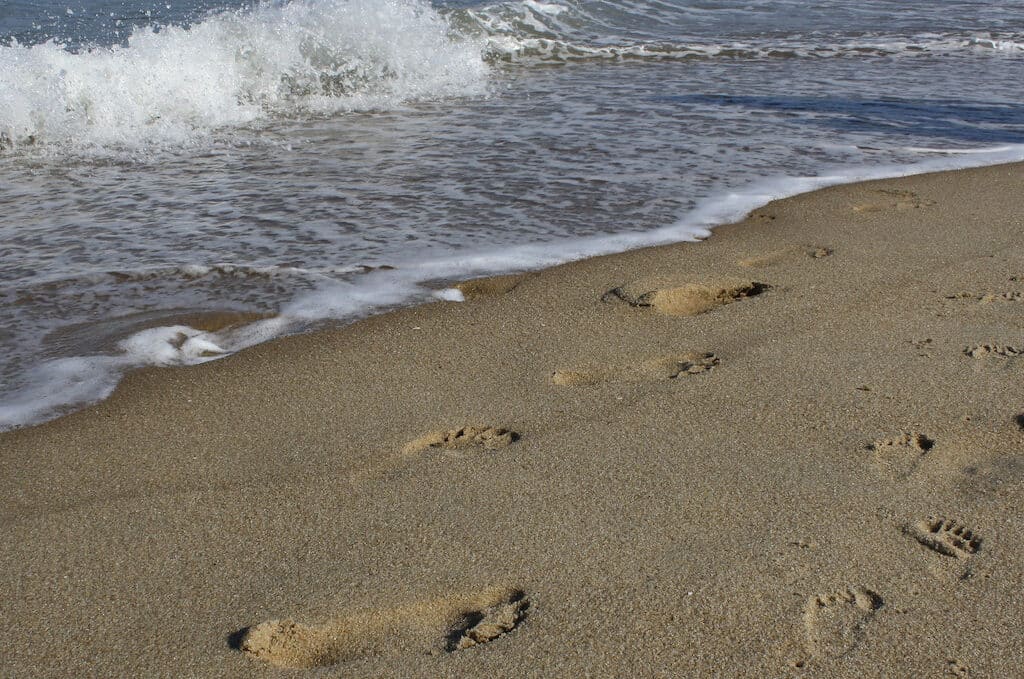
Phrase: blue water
[316,160]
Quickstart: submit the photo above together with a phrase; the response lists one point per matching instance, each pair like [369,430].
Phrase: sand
[794,449]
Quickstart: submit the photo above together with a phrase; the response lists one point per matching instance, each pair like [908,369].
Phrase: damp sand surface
[794,449]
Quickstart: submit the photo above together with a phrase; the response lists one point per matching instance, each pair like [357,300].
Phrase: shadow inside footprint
[236,638]
[450,624]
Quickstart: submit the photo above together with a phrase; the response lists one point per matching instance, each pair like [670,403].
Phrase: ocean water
[179,180]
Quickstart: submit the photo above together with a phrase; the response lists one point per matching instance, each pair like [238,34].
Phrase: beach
[308,163]
[793,449]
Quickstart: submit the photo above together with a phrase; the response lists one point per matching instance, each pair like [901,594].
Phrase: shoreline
[818,474]
[410,283]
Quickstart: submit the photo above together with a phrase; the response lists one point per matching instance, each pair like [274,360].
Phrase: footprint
[449,624]
[946,536]
[993,350]
[894,199]
[923,346]
[688,299]
[990,297]
[665,368]
[490,623]
[490,286]
[955,668]
[900,455]
[489,438]
[790,254]
[835,622]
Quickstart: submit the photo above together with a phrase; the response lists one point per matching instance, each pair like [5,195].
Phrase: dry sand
[794,449]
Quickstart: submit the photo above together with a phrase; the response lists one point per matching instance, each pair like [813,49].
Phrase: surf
[171,84]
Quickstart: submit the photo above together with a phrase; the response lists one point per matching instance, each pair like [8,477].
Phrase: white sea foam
[549,8]
[235,68]
[1000,45]
[450,295]
[56,386]
[169,345]
[512,46]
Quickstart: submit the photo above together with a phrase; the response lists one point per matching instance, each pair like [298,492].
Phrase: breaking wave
[169,84]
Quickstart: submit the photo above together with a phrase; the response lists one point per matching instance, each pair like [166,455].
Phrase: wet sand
[794,449]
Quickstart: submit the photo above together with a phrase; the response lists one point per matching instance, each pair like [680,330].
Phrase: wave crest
[235,68]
